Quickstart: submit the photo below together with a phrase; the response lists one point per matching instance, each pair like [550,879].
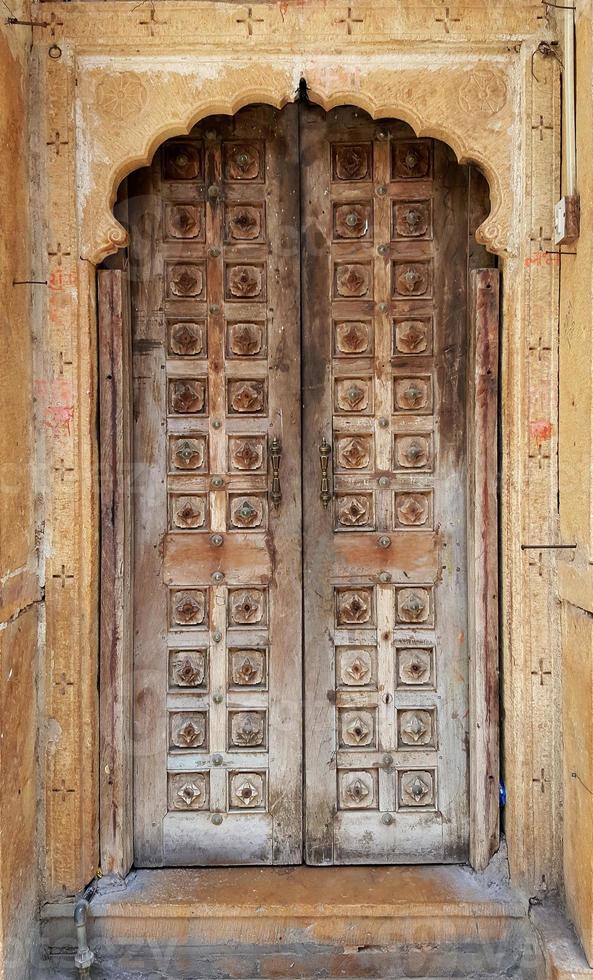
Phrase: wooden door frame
[116,640]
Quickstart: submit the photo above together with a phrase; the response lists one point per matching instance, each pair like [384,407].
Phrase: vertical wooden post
[483,564]
[116,763]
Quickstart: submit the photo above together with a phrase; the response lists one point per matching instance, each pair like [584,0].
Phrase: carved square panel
[188,791]
[187,338]
[247,454]
[411,159]
[413,451]
[414,606]
[248,668]
[353,280]
[247,512]
[353,338]
[411,219]
[356,667]
[414,668]
[357,728]
[184,222]
[245,281]
[244,223]
[247,396]
[188,730]
[188,396]
[189,452]
[353,396]
[243,160]
[412,395]
[413,509]
[247,607]
[247,730]
[353,221]
[189,607]
[185,280]
[182,160]
[412,335]
[411,280]
[352,161]
[246,338]
[247,791]
[189,511]
[358,789]
[355,607]
[354,512]
[416,728]
[188,670]
[354,452]
[416,789]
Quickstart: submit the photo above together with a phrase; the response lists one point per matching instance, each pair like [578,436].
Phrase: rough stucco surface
[576,489]
[18,574]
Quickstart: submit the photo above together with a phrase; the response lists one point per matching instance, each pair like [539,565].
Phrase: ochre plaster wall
[576,489]
[19,591]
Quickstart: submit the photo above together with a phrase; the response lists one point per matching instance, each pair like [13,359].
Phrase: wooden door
[214,269]
[385,259]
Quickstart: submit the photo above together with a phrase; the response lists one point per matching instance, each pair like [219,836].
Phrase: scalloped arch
[480,138]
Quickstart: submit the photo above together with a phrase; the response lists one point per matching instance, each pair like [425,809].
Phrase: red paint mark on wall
[59,417]
[542,258]
[540,430]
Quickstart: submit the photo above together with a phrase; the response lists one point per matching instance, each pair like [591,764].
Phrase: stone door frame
[116,80]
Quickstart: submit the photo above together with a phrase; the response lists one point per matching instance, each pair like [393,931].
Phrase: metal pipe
[568,80]
[84,957]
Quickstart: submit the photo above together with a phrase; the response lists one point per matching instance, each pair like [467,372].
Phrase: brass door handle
[324,451]
[275,457]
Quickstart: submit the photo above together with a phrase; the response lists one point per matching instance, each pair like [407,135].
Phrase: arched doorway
[301,566]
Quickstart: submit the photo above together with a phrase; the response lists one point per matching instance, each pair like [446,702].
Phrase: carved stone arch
[465,105]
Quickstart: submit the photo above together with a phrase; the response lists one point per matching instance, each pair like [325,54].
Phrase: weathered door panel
[385,252]
[215,276]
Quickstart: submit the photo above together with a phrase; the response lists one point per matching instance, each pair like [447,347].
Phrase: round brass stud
[381,190]
[218,698]
[385,577]
[216,819]
[217,577]
[214,252]
[386,818]
[217,760]
[387,760]
[383,422]
[383,481]
[217,482]
[216,424]
[217,636]
[384,541]
[383,249]
[216,540]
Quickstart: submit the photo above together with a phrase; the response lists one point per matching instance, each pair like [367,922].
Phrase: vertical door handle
[275,456]
[324,451]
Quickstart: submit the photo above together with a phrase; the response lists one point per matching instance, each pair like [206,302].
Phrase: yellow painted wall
[19,593]
[575,471]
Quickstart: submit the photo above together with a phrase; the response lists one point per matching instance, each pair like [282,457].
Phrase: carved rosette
[246,339]
[248,668]
[355,667]
[353,395]
[247,729]
[416,728]
[184,221]
[187,668]
[188,791]
[354,453]
[352,280]
[247,512]
[410,159]
[245,281]
[357,790]
[413,605]
[242,161]
[351,161]
[353,337]
[354,607]
[247,791]
[189,730]
[412,279]
[412,394]
[247,607]
[483,92]
[354,510]
[188,608]
[187,396]
[188,453]
[186,281]
[412,219]
[357,728]
[182,161]
[416,789]
[415,667]
[246,397]
[244,222]
[189,513]
[412,452]
[352,221]
[412,509]
[247,454]
[187,339]
[121,96]
[412,336]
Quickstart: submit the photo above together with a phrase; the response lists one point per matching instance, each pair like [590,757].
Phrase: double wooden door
[299,292]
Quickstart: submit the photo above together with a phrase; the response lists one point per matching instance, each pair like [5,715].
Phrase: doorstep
[285,922]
